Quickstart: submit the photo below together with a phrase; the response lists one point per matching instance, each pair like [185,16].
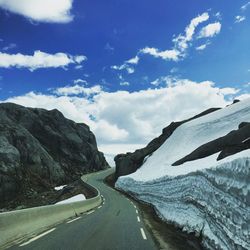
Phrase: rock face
[130,162]
[40,149]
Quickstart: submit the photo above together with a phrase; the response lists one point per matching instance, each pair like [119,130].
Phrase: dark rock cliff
[40,149]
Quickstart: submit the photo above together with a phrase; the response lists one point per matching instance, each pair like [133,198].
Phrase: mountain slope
[130,162]
[40,149]
[189,183]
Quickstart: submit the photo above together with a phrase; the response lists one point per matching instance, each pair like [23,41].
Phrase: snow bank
[204,196]
[79,197]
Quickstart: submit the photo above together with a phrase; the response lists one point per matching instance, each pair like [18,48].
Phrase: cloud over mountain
[56,11]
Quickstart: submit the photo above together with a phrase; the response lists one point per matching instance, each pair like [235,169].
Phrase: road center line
[136,211]
[37,237]
[143,234]
[138,219]
[73,220]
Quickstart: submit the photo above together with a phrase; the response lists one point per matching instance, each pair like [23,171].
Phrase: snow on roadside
[205,196]
[59,187]
[79,197]
[211,202]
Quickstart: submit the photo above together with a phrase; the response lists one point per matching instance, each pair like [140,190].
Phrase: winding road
[115,225]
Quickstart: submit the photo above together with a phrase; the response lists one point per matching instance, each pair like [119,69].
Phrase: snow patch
[79,197]
[59,187]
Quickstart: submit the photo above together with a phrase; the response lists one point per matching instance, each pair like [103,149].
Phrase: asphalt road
[115,225]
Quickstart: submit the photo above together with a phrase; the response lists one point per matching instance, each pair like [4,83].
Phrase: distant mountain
[40,149]
[196,175]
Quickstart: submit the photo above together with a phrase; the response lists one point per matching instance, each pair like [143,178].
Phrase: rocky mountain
[198,178]
[40,149]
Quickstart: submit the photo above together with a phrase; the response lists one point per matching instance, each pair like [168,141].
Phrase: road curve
[115,225]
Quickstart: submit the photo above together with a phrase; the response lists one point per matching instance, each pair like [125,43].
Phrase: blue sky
[96,38]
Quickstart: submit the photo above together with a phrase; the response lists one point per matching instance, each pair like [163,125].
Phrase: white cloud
[181,42]
[10,46]
[127,65]
[79,80]
[174,70]
[130,118]
[53,11]
[39,60]
[243,96]
[77,90]
[203,46]
[239,19]
[124,83]
[210,30]
[218,15]
[133,60]
[78,66]
[166,54]
[245,6]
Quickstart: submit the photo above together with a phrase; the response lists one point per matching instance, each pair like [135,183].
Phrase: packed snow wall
[205,196]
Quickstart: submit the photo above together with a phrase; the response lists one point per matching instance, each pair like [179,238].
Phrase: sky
[126,68]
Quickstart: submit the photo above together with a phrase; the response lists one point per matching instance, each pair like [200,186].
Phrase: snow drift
[205,196]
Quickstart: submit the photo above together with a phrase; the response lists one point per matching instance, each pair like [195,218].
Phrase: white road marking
[37,237]
[136,211]
[134,206]
[138,219]
[99,207]
[90,212]
[143,234]
[73,220]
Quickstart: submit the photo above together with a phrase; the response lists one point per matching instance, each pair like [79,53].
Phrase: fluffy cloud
[124,83]
[203,46]
[54,11]
[77,90]
[133,60]
[39,60]
[245,6]
[210,30]
[172,54]
[127,65]
[181,43]
[239,19]
[79,80]
[130,118]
